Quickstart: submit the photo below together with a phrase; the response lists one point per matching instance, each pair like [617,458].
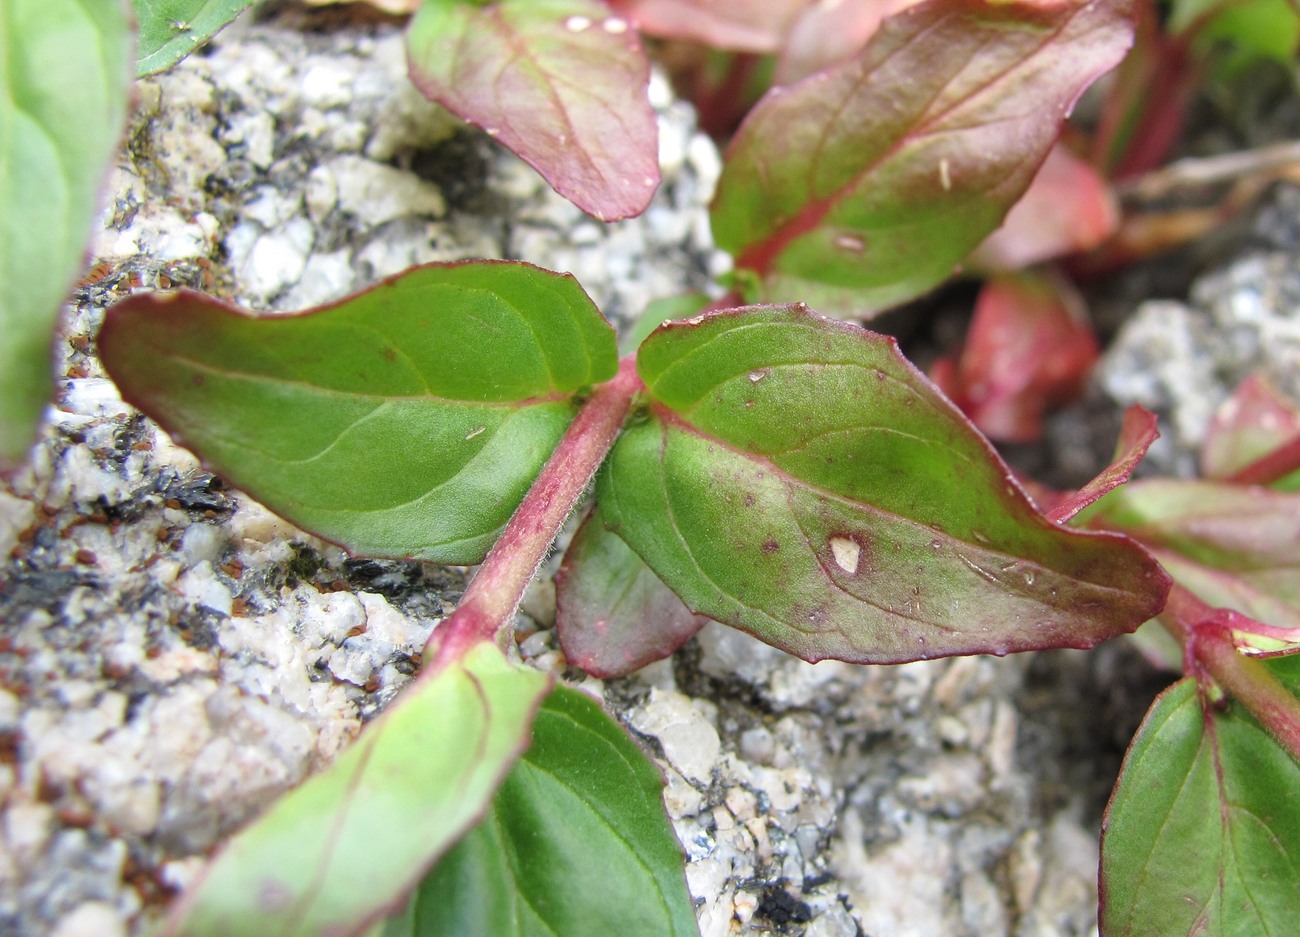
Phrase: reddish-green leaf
[796,478]
[340,851]
[866,184]
[562,83]
[1136,435]
[1234,546]
[1257,420]
[1066,209]
[407,420]
[614,615]
[1202,835]
[65,79]
[576,844]
[1030,348]
[740,25]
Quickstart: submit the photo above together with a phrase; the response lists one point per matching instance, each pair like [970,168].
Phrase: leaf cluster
[750,462]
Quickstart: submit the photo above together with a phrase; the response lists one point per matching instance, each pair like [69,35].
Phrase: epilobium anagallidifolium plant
[752,462]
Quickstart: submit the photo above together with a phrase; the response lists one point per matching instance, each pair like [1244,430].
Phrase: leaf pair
[337,853]
[789,475]
[1202,835]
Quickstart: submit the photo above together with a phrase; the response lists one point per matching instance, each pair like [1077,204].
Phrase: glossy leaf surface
[796,478]
[172,29]
[1234,546]
[1030,348]
[1202,835]
[562,83]
[864,185]
[336,853]
[576,844]
[65,73]
[407,420]
[614,615]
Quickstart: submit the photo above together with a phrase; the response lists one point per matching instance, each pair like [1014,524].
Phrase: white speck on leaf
[614,26]
[846,553]
[945,177]
[756,376]
[577,24]
[476,431]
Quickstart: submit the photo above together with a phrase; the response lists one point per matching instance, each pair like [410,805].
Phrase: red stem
[488,607]
[1210,646]
[1267,469]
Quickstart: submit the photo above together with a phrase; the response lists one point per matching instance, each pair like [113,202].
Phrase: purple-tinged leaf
[1256,422]
[337,853]
[796,478]
[1136,435]
[613,614]
[1202,834]
[1233,546]
[562,83]
[864,185]
[826,33]
[407,420]
[739,25]
[1030,347]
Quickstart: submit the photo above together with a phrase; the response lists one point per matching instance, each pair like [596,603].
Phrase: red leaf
[1029,348]
[1068,208]
[560,82]
[739,25]
[1257,420]
[825,33]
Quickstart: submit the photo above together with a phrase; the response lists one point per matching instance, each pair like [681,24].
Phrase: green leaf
[1202,835]
[1232,545]
[407,420]
[613,614]
[864,185]
[338,852]
[1237,33]
[172,29]
[66,72]
[659,311]
[562,83]
[796,478]
[577,844]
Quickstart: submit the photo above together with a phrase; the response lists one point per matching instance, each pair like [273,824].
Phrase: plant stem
[1210,645]
[488,607]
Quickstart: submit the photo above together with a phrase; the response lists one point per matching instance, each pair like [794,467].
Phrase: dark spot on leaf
[771,546]
[390,354]
[749,501]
